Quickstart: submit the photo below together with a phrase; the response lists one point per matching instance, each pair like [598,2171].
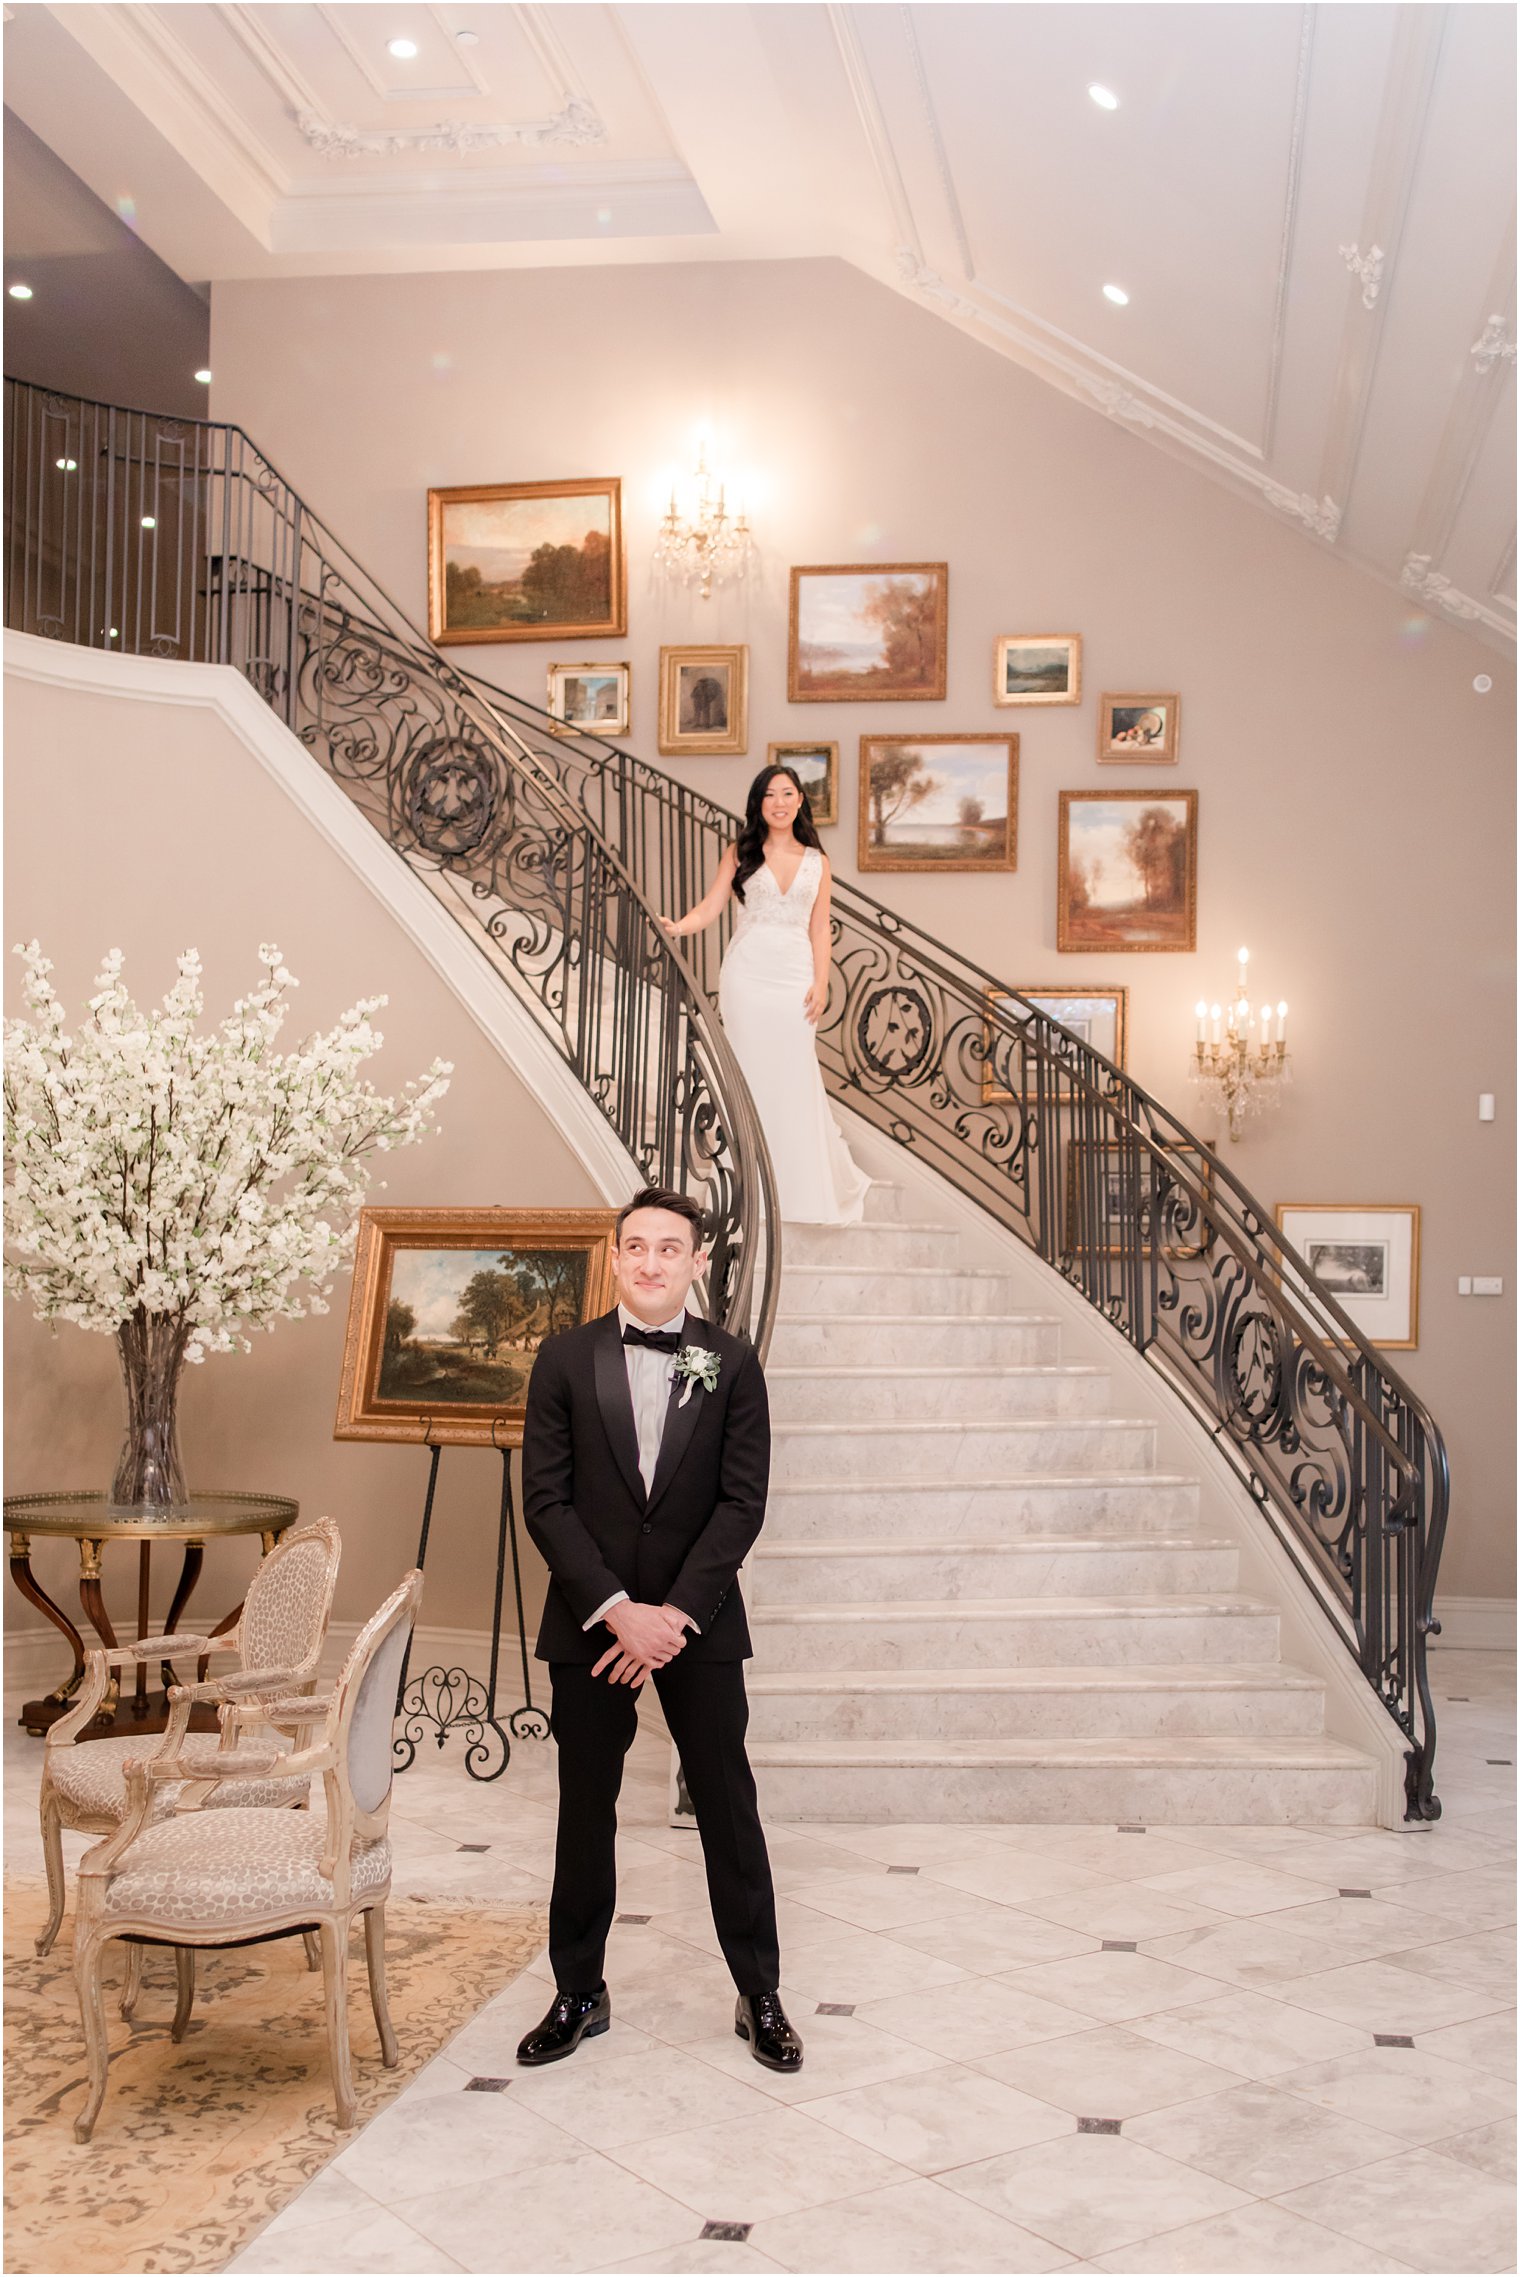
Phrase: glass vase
[149,1475]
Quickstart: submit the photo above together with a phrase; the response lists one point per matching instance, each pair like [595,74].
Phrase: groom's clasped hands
[648,1636]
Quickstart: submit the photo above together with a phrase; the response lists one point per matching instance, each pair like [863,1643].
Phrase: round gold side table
[89,1520]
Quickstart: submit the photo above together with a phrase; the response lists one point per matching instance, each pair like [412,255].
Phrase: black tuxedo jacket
[585,1506]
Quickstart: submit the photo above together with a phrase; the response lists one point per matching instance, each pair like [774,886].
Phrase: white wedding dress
[767,971]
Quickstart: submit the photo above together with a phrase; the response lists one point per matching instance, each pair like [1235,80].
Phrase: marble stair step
[914,1340]
[1157,1565]
[905,1242]
[1019,1705]
[974,1446]
[1198,1781]
[863,1394]
[886,1204]
[979,1508]
[1071,1632]
[857,1290]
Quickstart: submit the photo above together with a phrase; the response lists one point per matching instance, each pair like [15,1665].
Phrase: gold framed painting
[1367,1256]
[816,766]
[1096,1016]
[1139,731]
[868,633]
[526,561]
[1037,668]
[1109,1184]
[1127,874]
[590,699]
[939,802]
[448,1309]
[704,701]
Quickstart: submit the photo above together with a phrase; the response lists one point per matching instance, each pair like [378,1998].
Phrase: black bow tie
[654,1339]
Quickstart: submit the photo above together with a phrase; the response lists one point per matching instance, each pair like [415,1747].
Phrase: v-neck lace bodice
[765,904]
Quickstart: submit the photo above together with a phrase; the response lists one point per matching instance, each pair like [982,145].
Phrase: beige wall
[1356,794]
[150,827]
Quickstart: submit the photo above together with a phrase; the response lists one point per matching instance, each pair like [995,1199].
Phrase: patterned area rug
[198,2146]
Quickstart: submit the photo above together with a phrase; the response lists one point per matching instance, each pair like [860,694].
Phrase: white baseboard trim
[1475,1624]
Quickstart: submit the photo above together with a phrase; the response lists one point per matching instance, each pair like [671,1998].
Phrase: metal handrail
[177,537]
[1115,1192]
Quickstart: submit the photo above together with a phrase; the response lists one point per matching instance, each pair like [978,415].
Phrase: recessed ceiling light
[20,292]
[150,521]
[468,39]
[205,377]
[68,466]
[1104,97]
[402,50]
[1117,294]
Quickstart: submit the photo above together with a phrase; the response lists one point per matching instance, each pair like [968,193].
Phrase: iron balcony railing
[177,538]
[559,849]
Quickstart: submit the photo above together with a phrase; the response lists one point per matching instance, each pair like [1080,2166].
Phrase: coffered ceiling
[1311,209]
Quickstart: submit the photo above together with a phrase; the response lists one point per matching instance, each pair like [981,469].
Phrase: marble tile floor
[1269,2048]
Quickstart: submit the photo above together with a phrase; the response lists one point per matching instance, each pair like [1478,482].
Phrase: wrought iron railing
[492,800]
[1158,1234]
[174,537]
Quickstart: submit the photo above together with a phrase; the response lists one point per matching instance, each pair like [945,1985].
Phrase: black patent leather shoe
[761,2019]
[574,2017]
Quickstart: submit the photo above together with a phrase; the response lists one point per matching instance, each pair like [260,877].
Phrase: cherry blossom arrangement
[179,1188]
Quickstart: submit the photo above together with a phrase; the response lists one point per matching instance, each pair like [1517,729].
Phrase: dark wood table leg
[144,1576]
[189,1575]
[91,1552]
[38,1714]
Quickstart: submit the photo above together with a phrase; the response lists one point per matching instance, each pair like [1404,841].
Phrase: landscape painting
[1038,668]
[525,561]
[1095,1016]
[816,766]
[868,634]
[591,696]
[449,1309]
[1367,1258]
[1127,878]
[939,802]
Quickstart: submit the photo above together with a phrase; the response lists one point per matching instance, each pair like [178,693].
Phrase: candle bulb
[1266,1024]
[1282,1026]
[1214,1017]
[1201,1013]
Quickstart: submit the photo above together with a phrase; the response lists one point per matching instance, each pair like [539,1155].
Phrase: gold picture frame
[1097,1016]
[1079,1151]
[951,836]
[868,633]
[1037,668]
[1361,1249]
[1162,915]
[563,702]
[704,701]
[527,561]
[464,1382]
[806,759]
[1139,731]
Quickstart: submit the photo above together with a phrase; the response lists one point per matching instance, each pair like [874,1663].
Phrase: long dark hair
[750,843]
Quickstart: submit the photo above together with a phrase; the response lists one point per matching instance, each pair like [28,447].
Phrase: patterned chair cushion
[90,1781]
[241,1865]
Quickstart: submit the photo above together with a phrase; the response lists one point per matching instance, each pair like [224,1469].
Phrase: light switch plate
[1485,1106]
[1464,1284]
[1487,1285]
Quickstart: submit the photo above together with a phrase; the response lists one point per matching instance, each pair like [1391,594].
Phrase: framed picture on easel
[448,1309]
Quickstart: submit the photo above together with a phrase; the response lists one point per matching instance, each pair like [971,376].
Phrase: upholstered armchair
[232,1877]
[278,1640]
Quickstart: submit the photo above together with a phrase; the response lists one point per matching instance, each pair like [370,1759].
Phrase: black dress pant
[594,1723]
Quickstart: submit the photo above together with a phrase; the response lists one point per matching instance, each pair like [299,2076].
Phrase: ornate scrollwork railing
[176,538]
[1057,1145]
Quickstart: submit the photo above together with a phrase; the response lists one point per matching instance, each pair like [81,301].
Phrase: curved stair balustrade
[177,538]
[1127,1204]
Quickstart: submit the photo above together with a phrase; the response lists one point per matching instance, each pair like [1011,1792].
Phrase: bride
[772,988]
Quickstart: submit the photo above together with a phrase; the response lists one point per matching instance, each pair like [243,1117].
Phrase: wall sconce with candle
[699,541]
[1240,1056]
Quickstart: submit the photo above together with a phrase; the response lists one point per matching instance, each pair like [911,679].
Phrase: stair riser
[1012,1640]
[865,1343]
[885,1205]
[982,1513]
[987,1717]
[824,1398]
[1177,1796]
[862,1294]
[865,1246]
[977,1451]
[948,1575]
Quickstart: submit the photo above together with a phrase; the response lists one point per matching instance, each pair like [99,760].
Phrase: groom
[646,1456]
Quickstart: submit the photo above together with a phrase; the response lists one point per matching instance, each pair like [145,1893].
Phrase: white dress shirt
[650,1375]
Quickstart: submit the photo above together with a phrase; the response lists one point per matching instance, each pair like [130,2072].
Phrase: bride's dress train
[767,971]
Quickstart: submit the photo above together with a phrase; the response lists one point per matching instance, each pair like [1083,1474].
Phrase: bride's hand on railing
[672,926]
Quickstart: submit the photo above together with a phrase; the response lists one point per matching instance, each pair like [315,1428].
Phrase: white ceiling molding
[577,124]
[937,145]
[1368,268]
[1287,239]
[1491,346]
[1471,414]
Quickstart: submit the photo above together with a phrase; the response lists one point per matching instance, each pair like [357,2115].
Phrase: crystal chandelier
[1238,1063]
[704,542]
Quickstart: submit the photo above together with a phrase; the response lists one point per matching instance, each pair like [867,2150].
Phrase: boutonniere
[698,1366]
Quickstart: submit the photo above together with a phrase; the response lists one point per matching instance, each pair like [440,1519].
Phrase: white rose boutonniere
[698,1366]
